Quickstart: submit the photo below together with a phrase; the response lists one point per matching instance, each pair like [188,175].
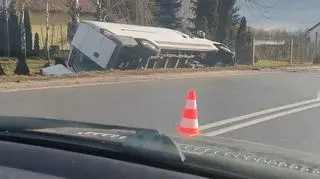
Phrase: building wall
[312,34]
[58,28]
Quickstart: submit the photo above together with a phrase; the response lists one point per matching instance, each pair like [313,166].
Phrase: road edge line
[120,82]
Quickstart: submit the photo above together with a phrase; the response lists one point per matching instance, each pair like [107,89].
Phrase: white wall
[312,34]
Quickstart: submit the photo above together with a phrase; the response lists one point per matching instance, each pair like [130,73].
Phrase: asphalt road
[159,104]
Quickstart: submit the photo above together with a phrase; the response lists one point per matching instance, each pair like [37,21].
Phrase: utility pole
[6,16]
[291,51]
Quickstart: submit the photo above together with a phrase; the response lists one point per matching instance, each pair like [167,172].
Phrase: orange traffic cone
[189,124]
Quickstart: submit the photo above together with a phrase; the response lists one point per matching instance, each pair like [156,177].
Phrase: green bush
[316,60]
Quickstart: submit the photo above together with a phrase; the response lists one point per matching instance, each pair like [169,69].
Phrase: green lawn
[35,65]
[271,64]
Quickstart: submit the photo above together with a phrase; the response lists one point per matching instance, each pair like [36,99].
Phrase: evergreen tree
[14,34]
[225,9]
[28,32]
[203,25]
[235,23]
[18,36]
[22,67]
[36,47]
[209,10]
[244,43]
[242,31]
[165,13]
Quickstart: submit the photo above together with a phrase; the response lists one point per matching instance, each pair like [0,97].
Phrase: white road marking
[257,121]
[259,113]
[124,82]
[71,86]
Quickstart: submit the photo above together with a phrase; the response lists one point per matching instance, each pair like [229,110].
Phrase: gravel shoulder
[20,83]
[13,83]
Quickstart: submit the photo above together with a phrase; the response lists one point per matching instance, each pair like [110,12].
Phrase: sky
[284,14]
[291,15]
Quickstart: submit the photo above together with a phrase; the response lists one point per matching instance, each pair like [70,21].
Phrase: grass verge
[35,65]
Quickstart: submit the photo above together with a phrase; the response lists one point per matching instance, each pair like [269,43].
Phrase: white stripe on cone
[187,123]
[191,104]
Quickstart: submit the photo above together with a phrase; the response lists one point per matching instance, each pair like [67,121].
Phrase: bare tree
[123,11]
[112,10]
[142,12]
[74,10]
[258,7]
[22,29]
[100,10]
[74,13]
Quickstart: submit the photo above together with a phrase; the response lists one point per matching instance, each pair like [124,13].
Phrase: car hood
[202,146]
[220,148]
[212,146]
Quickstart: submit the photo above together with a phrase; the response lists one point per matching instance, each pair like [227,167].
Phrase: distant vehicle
[225,55]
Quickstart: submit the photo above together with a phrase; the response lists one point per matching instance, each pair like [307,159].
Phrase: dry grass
[35,65]
[271,64]
[105,78]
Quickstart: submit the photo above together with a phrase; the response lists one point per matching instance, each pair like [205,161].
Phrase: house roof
[59,5]
[313,27]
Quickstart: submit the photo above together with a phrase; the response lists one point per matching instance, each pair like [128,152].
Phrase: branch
[258,7]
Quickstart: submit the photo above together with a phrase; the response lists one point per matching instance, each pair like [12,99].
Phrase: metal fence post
[253,51]
[291,51]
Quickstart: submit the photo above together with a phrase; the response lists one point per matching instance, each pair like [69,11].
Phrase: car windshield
[241,71]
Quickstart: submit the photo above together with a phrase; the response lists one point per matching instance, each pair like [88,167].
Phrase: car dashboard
[29,161]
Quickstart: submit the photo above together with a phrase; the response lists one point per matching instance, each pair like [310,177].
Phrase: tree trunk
[75,16]
[47,33]
[22,67]
[99,15]
[2,71]
[22,31]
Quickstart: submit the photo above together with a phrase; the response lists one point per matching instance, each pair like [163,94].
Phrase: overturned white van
[103,45]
